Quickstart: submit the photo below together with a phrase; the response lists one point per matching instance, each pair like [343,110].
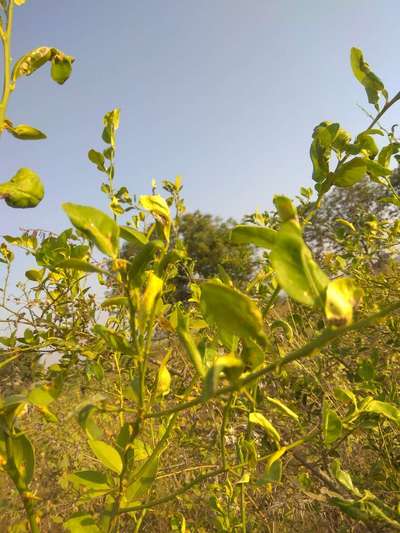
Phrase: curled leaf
[23,190]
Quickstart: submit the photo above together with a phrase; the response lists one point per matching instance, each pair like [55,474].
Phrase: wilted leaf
[342,295]
[283,408]
[24,190]
[61,67]
[260,420]
[372,84]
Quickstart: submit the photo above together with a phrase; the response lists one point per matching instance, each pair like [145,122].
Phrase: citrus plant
[260,390]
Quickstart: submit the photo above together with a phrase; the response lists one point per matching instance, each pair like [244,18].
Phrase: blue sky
[224,93]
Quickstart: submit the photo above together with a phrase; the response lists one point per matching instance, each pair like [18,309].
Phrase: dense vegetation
[258,392]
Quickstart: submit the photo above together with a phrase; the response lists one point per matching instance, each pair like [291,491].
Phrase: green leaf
[34,275]
[157,206]
[297,272]
[149,299]
[230,365]
[346,223]
[111,124]
[87,423]
[331,424]
[345,395]
[80,265]
[376,170]
[260,420]
[383,408]
[96,226]
[61,67]
[96,158]
[114,340]
[272,473]
[283,408]
[141,261]
[372,84]
[91,479]
[107,455]
[163,377]
[26,133]
[23,457]
[343,477]
[350,173]
[40,397]
[117,301]
[321,148]
[342,295]
[30,62]
[285,208]
[387,152]
[23,190]
[81,523]
[143,479]
[257,235]
[132,235]
[232,311]
[188,342]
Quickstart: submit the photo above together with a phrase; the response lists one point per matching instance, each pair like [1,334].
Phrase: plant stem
[313,346]
[6,39]
[182,490]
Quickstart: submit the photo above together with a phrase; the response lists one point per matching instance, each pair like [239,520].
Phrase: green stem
[313,346]
[223,429]
[6,38]
[182,490]
[30,513]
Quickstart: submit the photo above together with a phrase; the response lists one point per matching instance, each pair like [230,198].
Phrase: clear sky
[224,93]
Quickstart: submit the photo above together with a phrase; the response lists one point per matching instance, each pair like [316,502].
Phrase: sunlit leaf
[81,523]
[230,365]
[350,173]
[96,226]
[232,311]
[23,457]
[24,190]
[372,84]
[80,265]
[297,272]
[282,407]
[260,420]
[331,424]
[26,133]
[107,455]
[342,295]
[386,409]
[257,235]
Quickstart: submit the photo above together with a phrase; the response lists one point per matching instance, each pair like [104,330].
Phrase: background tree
[206,238]
[365,206]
